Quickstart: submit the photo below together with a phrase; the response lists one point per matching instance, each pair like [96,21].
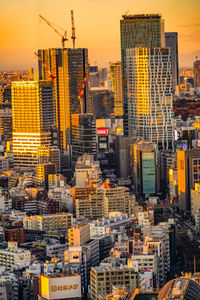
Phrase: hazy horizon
[97,25]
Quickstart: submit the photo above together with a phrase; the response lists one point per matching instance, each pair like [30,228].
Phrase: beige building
[143,262]
[87,171]
[48,222]
[14,257]
[102,280]
[195,199]
[79,234]
[106,199]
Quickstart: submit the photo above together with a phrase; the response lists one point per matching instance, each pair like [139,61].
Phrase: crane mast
[81,93]
[73,29]
[63,36]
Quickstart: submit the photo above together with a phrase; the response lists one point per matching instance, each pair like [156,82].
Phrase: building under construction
[68,67]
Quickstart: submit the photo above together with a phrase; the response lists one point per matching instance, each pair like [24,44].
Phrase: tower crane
[81,93]
[73,29]
[63,36]
[51,76]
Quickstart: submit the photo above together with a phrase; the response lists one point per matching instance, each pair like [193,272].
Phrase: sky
[97,25]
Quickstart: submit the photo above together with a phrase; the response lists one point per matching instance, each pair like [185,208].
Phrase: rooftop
[141,16]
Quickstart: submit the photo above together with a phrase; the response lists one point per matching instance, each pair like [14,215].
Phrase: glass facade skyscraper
[84,138]
[32,120]
[149,95]
[116,79]
[171,41]
[197,74]
[69,67]
[138,31]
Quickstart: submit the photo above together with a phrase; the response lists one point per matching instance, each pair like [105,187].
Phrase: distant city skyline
[97,28]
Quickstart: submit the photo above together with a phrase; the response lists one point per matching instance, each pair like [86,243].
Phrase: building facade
[83,135]
[33,116]
[116,79]
[197,74]
[103,278]
[149,95]
[48,222]
[104,200]
[68,67]
[138,31]
[171,41]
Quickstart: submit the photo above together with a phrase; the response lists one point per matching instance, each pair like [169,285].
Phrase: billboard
[60,287]
[102,131]
[103,142]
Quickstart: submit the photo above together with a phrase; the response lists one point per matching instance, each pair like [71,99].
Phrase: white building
[14,257]
[5,201]
[149,93]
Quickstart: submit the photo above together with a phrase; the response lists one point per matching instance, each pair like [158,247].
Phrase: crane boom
[63,36]
[73,29]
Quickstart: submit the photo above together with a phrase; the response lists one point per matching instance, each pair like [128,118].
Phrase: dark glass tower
[171,41]
[69,67]
[83,135]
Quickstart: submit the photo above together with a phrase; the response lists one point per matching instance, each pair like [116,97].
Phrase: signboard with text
[102,131]
[61,287]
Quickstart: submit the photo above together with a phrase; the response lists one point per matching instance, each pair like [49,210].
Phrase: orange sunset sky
[97,25]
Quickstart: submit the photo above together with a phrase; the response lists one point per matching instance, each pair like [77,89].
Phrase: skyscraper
[101,102]
[83,135]
[143,168]
[138,31]
[149,94]
[116,79]
[197,74]
[33,116]
[69,67]
[171,41]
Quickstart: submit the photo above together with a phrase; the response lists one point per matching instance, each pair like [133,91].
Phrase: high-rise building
[197,74]
[188,164]
[101,102]
[94,76]
[5,113]
[69,67]
[143,168]
[33,116]
[149,95]
[138,31]
[83,135]
[116,79]
[171,41]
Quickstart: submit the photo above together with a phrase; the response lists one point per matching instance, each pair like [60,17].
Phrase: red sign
[102,131]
